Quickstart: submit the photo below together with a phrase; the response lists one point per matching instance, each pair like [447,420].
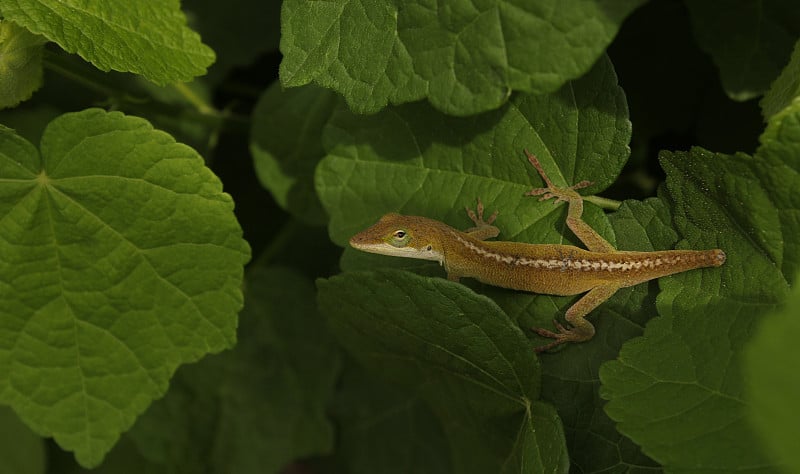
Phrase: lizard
[554,269]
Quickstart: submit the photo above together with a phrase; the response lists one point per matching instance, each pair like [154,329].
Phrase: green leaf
[385,429]
[122,259]
[786,87]
[773,385]
[147,38]
[779,171]
[412,160]
[21,451]
[286,143]
[748,41]
[463,57]
[678,391]
[462,354]
[125,458]
[20,64]
[258,407]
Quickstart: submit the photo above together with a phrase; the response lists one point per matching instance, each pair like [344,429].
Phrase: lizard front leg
[580,328]
[483,230]
[590,238]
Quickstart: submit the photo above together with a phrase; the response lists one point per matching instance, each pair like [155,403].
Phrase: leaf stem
[79,72]
[123,92]
[194,99]
[604,203]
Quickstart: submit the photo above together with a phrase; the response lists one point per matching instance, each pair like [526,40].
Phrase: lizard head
[402,236]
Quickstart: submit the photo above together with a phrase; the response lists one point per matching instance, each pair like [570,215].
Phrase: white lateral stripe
[568,263]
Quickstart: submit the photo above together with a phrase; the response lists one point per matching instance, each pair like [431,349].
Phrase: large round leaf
[120,259]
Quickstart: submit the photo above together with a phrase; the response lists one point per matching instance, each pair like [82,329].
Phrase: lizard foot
[550,190]
[477,217]
[562,336]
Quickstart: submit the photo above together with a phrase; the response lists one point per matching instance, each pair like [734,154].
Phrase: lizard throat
[424,253]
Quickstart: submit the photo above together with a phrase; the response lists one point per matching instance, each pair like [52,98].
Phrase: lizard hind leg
[590,238]
[580,328]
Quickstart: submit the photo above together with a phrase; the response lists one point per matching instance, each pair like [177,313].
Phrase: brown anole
[599,270]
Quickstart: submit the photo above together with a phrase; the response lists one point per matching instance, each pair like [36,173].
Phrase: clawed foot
[483,228]
[551,190]
[477,217]
[563,335]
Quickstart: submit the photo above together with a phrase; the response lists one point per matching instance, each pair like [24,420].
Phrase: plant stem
[604,203]
[194,99]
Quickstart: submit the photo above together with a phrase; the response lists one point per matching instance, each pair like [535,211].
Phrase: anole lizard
[538,268]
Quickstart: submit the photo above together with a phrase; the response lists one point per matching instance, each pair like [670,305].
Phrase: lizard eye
[400,238]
